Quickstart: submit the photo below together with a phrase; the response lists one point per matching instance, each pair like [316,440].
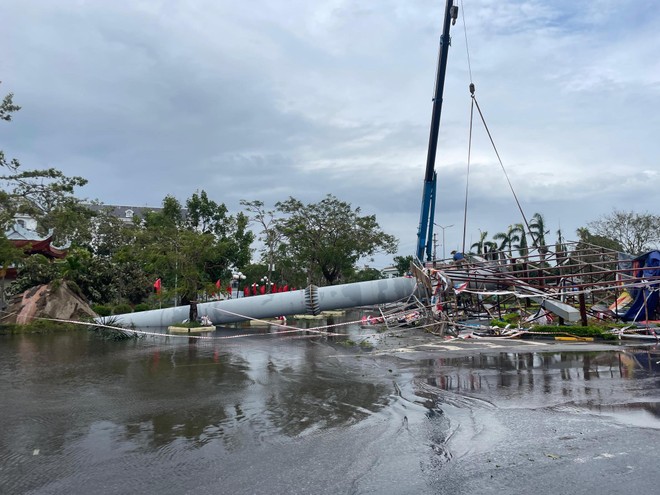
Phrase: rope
[467,48]
[467,175]
[499,159]
[289,329]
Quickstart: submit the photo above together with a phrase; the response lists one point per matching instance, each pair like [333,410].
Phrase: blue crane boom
[425,231]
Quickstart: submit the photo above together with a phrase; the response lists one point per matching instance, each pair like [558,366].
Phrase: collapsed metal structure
[572,281]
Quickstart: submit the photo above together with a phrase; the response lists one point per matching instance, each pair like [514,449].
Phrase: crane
[425,231]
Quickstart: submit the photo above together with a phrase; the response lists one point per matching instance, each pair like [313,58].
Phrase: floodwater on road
[287,414]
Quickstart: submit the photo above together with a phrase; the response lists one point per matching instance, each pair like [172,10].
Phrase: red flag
[218,284]
[157,286]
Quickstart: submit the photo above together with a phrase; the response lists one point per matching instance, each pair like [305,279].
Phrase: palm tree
[480,243]
[537,230]
[522,246]
[507,238]
[560,248]
[490,250]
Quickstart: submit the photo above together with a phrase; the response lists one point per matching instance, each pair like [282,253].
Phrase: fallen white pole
[311,300]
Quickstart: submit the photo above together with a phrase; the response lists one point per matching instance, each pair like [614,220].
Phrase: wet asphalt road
[411,413]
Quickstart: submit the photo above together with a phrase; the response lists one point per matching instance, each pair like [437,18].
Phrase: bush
[39,326]
[507,319]
[101,310]
[121,309]
[578,331]
[141,307]
[75,288]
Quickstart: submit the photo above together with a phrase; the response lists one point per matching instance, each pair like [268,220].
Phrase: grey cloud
[274,99]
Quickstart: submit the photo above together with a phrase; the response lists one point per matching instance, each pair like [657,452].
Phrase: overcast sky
[267,99]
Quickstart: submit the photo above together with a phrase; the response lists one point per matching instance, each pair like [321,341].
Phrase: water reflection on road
[621,384]
[282,414]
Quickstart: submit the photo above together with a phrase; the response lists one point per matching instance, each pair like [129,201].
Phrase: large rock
[55,300]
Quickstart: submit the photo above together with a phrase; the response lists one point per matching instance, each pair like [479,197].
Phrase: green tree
[522,245]
[363,275]
[538,231]
[402,264]
[634,232]
[561,250]
[481,245]
[9,255]
[111,234]
[269,235]
[7,107]
[46,195]
[507,239]
[329,237]
[206,216]
[35,270]
[189,254]
[586,237]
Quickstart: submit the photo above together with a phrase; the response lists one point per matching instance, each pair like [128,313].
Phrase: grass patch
[578,331]
[39,327]
[115,334]
[507,319]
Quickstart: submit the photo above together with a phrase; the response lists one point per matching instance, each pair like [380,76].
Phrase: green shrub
[507,319]
[75,288]
[39,326]
[121,309]
[141,307]
[578,331]
[101,310]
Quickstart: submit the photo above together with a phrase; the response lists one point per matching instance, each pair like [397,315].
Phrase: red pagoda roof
[42,246]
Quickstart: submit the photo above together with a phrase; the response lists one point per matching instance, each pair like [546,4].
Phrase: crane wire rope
[499,159]
[474,103]
[467,175]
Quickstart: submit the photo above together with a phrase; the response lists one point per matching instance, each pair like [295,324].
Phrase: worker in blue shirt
[457,256]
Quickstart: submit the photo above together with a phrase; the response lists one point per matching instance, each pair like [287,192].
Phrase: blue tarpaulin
[645,299]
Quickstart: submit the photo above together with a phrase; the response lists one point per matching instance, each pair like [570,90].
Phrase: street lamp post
[443,227]
[236,283]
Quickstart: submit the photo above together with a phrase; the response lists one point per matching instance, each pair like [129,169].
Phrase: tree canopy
[47,195]
[634,232]
[329,237]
